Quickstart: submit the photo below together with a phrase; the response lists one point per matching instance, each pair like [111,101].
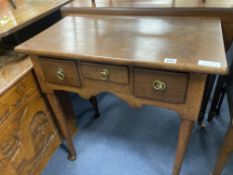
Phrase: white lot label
[170,60]
[209,63]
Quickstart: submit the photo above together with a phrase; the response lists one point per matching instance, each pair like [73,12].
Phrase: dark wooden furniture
[195,8]
[94,103]
[220,90]
[29,135]
[214,8]
[227,147]
[15,22]
[27,12]
[165,57]
[152,3]
[219,94]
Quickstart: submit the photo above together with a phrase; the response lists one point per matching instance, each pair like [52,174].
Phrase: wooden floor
[153,3]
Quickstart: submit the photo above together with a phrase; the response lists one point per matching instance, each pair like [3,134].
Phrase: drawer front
[101,72]
[60,72]
[164,86]
[16,96]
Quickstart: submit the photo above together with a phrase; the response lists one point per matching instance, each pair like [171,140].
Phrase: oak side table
[158,61]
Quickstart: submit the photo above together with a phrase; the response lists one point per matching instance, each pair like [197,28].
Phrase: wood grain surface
[195,8]
[153,3]
[70,75]
[195,43]
[176,85]
[170,45]
[29,135]
[117,74]
[26,13]
[13,72]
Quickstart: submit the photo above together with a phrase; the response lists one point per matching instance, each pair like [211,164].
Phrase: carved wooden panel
[41,131]
[6,166]
[25,139]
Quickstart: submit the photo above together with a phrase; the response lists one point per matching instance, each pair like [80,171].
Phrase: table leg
[60,116]
[224,152]
[208,89]
[185,131]
[94,103]
[221,101]
[216,101]
[66,104]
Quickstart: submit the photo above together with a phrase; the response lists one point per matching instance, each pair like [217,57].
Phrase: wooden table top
[26,13]
[172,43]
[152,3]
[13,72]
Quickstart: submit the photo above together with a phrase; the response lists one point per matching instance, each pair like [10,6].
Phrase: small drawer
[163,86]
[60,72]
[101,72]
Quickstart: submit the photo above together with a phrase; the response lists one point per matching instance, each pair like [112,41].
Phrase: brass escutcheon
[159,85]
[60,74]
[104,74]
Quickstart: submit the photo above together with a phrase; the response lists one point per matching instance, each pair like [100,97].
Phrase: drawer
[16,96]
[108,73]
[158,85]
[60,72]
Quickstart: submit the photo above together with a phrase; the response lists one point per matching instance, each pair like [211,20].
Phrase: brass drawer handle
[60,74]
[159,85]
[104,74]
